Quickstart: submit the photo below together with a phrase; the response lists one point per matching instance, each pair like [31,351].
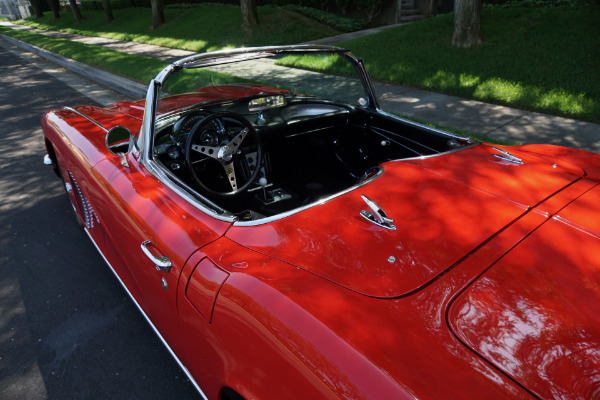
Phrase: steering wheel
[215,153]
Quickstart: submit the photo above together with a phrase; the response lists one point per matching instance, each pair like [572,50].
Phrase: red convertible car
[288,239]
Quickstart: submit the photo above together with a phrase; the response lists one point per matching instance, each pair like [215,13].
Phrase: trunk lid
[535,314]
[443,207]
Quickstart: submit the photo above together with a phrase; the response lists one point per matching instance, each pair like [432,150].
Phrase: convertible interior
[269,153]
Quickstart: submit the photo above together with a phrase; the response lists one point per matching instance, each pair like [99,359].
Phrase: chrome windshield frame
[144,142]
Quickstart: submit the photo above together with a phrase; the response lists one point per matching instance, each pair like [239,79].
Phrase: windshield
[326,76]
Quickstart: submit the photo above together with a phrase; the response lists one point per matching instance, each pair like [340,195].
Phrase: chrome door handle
[162,263]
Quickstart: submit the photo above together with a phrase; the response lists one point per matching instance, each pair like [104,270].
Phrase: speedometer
[184,126]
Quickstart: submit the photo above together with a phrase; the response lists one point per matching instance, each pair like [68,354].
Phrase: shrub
[342,24]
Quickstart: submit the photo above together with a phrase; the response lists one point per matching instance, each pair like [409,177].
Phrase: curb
[117,83]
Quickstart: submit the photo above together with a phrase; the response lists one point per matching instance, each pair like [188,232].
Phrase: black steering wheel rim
[227,155]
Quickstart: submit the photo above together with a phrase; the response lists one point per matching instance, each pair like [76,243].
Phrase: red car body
[487,288]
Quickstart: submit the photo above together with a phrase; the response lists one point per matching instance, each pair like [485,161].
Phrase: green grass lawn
[200,29]
[142,69]
[542,59]
[138,68]
[545,59]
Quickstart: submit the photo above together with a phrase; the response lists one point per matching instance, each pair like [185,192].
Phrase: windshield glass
[289,75]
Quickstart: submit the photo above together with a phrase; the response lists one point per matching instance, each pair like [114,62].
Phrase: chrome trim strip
[147,127]
[326,199]
[86,117]
[259,51]
[185,370]
[384,132]
[161,174]
[439,154]
[436,130]
[306,207]
[574,225]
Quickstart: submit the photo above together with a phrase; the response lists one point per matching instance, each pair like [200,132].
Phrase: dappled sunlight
[329,323]
[443,208]
[23,150]
[202,28]
[442,79]
[327,333]
[496,89]
[545,334]
[539,65]
[571,103]
[499,89]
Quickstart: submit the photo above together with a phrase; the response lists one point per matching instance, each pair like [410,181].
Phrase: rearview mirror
[119,142]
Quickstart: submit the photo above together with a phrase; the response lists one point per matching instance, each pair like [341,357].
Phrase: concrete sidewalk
[499,122]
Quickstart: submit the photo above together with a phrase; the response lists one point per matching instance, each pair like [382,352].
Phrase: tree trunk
[76,13]
[108,14]
[54,7]
[467,23]
[249,14]
[37,9]
[158,13]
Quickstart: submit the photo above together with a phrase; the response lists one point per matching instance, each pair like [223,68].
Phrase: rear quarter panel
[280,332]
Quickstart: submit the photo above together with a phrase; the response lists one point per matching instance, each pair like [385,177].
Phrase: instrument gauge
[209,138]
[184,126]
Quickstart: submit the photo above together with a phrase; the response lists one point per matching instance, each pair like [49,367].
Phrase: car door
[148,226]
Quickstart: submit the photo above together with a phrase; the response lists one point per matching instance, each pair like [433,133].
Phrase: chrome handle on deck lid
[376,215]
[162,263]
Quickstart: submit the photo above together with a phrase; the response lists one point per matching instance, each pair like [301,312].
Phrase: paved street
[67,328]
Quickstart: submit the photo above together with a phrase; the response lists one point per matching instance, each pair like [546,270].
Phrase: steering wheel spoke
[230,172]
[237,140]
[228,155]
[212,152]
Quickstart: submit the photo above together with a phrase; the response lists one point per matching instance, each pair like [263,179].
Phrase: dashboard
[273,117]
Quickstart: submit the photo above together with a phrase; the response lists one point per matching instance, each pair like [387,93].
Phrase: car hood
[443,208]
[535,314]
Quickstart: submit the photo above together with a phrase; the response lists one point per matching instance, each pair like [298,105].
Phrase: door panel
[136,208]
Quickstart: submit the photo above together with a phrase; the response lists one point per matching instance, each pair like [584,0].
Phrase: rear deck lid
[535,314]
[442,210]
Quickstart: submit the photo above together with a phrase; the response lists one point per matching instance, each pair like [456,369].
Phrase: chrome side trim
[89,215]
[429,128]
[211,58]
[183,191]
[187,373]
[266,220]
[86,117]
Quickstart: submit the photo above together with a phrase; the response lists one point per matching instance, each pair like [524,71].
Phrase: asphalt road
[67,328]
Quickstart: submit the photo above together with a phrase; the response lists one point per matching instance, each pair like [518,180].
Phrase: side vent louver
[85,208]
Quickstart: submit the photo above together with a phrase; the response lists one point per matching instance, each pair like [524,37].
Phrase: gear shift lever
[263,182]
